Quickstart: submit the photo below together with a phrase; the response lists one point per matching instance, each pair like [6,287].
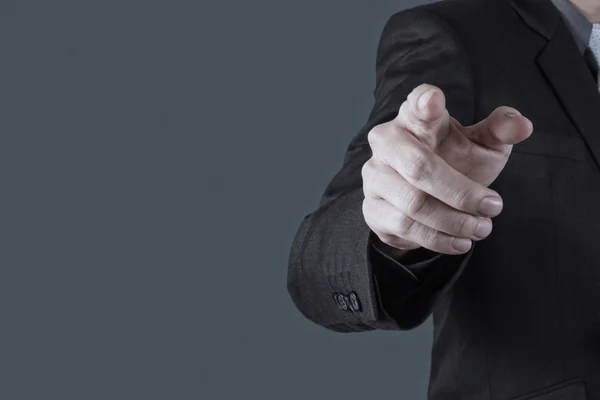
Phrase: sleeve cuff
[416,265]
[410,304]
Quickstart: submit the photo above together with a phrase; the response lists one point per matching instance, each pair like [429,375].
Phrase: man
[486,112]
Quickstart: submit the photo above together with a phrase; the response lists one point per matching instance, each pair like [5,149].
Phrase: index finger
[424,114]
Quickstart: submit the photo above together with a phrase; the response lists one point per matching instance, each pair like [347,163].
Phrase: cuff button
[340,301]
[354,302]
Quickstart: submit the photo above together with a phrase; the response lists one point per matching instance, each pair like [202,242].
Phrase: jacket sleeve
[335,277]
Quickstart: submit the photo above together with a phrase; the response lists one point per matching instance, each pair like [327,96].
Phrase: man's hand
[426,184]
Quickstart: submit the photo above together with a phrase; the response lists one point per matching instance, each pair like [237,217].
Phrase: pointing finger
[424,114]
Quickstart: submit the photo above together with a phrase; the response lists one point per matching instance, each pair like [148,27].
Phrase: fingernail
[483,228]
[490,206]
[511,114]
[461,244]
[423,99]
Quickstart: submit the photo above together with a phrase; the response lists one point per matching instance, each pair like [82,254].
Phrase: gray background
[157,158]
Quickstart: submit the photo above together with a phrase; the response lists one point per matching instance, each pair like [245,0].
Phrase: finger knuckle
[370,174]
[464,198]
[464,151]
[403,225]
[366,170]
[463,226]
[377,136]
[403,112]
[433,238]
[364,205]
[395,195]
[419,166]
[367,213]
[415,201]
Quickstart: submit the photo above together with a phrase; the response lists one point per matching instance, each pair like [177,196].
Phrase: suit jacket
[518,316]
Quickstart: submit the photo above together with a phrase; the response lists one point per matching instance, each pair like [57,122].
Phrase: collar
[544,16]
[578,24]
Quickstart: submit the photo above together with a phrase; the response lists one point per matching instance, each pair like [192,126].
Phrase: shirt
[578,24]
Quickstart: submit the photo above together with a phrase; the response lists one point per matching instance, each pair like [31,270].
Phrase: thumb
[504,127]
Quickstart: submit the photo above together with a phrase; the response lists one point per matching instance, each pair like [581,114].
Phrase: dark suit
[518,316]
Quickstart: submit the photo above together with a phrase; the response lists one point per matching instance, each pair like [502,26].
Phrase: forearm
[330,256]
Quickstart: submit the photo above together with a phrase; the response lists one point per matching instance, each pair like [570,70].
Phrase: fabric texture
[517,316]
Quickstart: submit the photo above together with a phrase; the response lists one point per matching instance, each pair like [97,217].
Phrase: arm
[332,252]
[408,283]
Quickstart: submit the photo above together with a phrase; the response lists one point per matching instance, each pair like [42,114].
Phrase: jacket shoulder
[462,15]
